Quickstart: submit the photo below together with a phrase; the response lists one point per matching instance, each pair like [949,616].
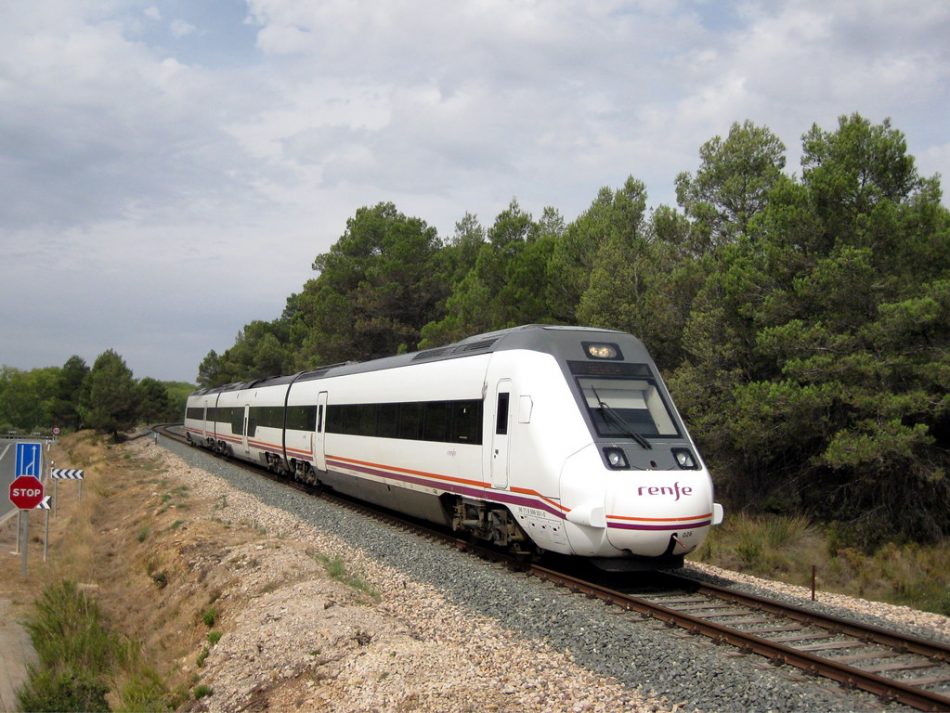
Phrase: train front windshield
[620,405]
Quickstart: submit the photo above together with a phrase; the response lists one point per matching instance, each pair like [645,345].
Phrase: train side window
[341,418]
[366,419]
[320,419]
[410,421]
[436,421]
[237,421]
[467,422]
[387,423]
[501,423]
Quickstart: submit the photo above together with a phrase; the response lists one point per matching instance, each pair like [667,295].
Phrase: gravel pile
[562,651]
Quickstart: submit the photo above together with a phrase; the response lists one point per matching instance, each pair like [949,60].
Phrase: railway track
[888,664]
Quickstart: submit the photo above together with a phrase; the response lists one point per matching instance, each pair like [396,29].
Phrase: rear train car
[537,438]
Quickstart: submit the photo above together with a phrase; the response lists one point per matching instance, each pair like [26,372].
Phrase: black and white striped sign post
[45,504]
[58,474]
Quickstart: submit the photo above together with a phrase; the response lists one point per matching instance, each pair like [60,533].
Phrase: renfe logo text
[665,490]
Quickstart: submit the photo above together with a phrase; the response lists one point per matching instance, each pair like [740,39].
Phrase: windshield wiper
[620,421]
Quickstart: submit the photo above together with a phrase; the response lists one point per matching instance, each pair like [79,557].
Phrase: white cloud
[121,152]
[180,28]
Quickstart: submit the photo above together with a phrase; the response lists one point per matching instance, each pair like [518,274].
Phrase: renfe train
[537,438]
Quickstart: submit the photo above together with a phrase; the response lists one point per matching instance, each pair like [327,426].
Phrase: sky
[170,169]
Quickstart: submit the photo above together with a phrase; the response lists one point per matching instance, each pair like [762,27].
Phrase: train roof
[553,339]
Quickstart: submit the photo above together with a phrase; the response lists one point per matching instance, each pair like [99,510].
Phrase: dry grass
[786,549]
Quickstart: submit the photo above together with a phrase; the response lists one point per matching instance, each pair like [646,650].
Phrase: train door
[319,453]
[245,442]
[499,437]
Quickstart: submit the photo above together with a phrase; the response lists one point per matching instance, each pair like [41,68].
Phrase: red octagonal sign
[26,492]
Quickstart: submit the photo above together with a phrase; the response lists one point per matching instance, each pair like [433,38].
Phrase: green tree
[732,183]
[638,271]
[676,276]
[508,283]
[155,404]
[209,371]
[573,256]
[818,343]
[460,253]
[620,269]
[65,411]
[26,397]
[378,285]
[178,392]
[110,401]
[852,170]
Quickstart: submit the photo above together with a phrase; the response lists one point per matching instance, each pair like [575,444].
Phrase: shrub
[144,691]
[67,628]
[202,690]
[63,689]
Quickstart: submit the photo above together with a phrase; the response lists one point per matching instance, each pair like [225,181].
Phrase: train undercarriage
[490,523]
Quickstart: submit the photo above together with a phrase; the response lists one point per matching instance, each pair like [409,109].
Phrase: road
[7,456]
[7,466]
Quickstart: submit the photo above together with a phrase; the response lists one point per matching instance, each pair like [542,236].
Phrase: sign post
[58,474]
[26,490]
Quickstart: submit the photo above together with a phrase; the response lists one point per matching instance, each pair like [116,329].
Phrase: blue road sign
[29,459]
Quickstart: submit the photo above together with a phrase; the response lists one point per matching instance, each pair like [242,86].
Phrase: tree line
[802,321]
[105,397]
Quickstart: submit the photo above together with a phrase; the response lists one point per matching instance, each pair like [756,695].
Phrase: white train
[560,439]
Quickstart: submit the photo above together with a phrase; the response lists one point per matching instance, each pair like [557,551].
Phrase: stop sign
[26,492]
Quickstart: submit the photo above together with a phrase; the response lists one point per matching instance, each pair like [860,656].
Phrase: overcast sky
[171,169]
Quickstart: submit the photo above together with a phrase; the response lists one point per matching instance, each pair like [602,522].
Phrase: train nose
[647,513]
[656,513]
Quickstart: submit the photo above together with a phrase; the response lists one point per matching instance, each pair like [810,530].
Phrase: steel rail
[865,632]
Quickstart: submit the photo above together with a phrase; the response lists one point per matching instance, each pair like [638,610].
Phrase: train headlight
[601,350]
[616,458]
[684,459]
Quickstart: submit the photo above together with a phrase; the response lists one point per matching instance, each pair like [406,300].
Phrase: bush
[202,690]
[67,628]
[144,692]
[65,689]
[78,656]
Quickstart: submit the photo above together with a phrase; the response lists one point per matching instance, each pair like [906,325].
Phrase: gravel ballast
[527,645]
